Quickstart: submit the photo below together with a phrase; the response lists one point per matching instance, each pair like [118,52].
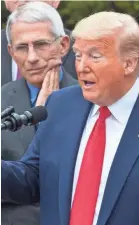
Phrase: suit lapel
[20,99]
[75,126]
[125,157]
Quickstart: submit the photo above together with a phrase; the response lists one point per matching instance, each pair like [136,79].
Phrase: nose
[82,65]
[32,56]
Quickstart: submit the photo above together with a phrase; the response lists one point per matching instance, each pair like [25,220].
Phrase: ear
[65,45]
[10,50]
[130,65]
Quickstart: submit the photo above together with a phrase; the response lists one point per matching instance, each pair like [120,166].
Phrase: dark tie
[86,193]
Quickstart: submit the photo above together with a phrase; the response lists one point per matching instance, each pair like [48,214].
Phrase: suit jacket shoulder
[66,99]
[67,80]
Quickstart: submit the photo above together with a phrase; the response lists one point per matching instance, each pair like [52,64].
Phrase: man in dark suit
[32,89]
[8,66]
[83,163]
[17,94]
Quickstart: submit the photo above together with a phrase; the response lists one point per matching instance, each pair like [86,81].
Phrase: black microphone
[30,117]
[7,112]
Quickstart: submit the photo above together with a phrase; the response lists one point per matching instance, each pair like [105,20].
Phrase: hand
[52,63]
[50,84]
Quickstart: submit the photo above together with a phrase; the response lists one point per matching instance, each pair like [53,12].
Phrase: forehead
[104,44]
[24,32]
[15,3]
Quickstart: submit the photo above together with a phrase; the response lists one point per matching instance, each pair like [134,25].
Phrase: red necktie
[86,194]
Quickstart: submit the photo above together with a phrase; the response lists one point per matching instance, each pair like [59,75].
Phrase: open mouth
[88,83]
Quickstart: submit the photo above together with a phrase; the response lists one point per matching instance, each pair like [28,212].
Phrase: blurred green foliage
[73,11]
[4,14]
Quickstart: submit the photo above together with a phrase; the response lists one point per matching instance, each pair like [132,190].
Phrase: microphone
[30,117]
[7,112]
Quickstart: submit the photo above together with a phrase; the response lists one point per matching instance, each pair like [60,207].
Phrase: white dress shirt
[115,126]
[14,70]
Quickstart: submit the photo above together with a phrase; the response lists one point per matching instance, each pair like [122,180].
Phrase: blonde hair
[122,26]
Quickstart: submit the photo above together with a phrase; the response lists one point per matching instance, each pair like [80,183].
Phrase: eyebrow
[93,49]
[40,40]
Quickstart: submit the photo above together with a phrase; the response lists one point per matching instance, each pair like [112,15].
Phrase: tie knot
[104,113]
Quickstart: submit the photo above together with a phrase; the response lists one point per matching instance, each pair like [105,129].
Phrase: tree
[73,11]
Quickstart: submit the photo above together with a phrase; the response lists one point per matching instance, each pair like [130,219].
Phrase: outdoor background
[73,11]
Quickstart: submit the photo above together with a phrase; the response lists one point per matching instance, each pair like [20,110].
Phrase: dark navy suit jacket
[46,171]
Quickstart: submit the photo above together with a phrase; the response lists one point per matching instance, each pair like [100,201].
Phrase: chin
[92,98]
[37,83]
[88,97]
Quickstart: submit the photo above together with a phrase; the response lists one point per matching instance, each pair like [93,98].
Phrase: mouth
[88,84]
[35,71]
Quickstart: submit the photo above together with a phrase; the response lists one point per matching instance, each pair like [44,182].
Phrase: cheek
[110,71]
[52,54]
[18,60]
[115,72]
[22,65]
[76,65]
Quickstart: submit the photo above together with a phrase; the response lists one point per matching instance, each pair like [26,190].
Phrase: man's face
[31,50]
[100,70]
[11,5]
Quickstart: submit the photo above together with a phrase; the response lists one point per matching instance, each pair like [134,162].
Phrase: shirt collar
[33,92]
[122,109]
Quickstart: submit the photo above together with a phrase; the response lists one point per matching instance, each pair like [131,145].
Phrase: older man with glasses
[37,43]
[9,71]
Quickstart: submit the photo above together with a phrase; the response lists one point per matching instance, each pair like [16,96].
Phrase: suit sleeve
[20,179]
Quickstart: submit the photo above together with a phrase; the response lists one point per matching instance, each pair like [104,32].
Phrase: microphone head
[39,113]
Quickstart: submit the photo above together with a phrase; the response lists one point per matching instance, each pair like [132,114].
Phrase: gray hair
[107,23]
[36,12]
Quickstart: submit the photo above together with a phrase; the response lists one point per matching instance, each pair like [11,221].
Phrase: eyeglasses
[38,46]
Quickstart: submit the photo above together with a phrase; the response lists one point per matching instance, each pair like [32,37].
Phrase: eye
[41,44]
[20,47]
[96,56]
[77,55]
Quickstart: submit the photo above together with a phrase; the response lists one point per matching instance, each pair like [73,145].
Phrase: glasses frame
[25,51]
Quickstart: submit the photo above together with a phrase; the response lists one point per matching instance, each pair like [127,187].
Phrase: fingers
[54,78]
[50,84]
[51,80]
